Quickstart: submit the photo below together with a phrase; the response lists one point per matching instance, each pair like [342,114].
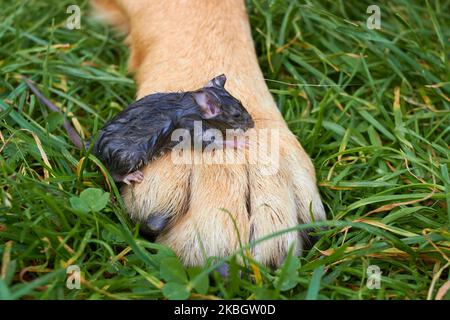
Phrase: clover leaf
[90,200]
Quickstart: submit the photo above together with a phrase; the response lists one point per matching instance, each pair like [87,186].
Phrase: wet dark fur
[143,130]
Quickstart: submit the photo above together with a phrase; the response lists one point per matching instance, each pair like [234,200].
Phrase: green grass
[371,107]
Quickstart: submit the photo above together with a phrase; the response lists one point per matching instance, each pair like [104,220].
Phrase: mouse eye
[236,114]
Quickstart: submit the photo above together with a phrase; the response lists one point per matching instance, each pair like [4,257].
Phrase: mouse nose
[251,123]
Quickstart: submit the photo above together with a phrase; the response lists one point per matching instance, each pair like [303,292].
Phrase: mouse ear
[208,106]
[218,81]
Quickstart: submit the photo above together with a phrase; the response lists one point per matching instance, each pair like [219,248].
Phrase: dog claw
[309,239]
[157,223]
[224,270]
[153,226]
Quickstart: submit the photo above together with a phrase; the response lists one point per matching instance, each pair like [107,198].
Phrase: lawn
[371,107]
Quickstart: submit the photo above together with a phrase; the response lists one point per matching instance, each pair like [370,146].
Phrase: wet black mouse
[143,130]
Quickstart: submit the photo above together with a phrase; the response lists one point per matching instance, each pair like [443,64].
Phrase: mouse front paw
[136,176]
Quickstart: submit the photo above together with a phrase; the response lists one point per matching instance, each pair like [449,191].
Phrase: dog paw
[214,209]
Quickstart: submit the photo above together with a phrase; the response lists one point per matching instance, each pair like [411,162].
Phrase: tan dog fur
[178,45]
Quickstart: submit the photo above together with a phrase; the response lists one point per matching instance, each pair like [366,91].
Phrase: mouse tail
[71,132]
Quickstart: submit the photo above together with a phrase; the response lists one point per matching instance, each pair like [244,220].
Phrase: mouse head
[219,109]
